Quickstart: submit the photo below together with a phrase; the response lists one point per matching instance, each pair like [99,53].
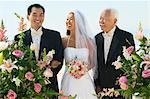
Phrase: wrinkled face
[70,22]
[107,21]
[36,18]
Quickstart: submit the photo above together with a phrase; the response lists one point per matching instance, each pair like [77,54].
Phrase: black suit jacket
[107,73]
[50,39]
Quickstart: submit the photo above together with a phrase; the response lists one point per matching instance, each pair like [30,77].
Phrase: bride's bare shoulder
[64,39]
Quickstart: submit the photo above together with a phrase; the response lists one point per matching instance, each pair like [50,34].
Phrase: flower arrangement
[22,76]
[77,68]
[107,92]
[135,65]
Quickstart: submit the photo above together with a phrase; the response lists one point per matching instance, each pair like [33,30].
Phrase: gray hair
[112,11]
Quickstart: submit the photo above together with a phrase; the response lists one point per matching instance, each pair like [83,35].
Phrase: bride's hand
[55,63]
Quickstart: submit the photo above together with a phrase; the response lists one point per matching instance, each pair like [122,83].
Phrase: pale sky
[130,13]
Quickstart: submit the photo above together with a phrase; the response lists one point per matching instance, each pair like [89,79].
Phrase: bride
[80,57]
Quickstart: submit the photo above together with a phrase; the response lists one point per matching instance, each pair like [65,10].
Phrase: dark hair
[36,6]
[68,32]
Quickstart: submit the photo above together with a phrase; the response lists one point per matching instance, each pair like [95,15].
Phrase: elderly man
[110,44]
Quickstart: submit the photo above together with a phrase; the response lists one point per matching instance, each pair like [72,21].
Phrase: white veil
[84,38]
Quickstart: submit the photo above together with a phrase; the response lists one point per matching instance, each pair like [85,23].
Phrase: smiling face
[107,20]
[70,22]
[36,17]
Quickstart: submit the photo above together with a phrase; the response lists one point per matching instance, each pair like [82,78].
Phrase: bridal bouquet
[21,76]
[77,68]
[136,67]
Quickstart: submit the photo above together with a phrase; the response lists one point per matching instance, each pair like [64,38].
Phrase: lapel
[42,42]
[113,46]
[28,38]
[101,49]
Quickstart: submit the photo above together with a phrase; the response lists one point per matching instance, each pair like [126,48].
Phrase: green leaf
[136,57]
[2,25]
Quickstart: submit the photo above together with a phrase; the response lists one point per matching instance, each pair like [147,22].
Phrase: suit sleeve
[129,40]
[96,80]
[58,54]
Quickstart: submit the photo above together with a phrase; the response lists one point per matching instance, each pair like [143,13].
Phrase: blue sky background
[130,13]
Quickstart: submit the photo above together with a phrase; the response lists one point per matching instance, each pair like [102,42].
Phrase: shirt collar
[110,33]
[36,32]
[39,30]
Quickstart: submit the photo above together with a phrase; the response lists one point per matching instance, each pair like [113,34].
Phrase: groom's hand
[98,89]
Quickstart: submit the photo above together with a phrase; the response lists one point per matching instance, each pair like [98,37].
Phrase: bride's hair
[85,38]
[68,32]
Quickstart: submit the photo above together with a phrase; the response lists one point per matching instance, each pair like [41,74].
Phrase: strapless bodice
[79,53]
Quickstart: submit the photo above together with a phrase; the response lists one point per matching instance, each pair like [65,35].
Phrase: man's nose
[38,18]
[101,20]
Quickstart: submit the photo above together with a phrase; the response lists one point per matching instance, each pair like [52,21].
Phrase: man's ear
[115,21]
[28,17]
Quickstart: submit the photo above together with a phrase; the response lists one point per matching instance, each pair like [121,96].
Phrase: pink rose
[61,92]
[77,76]
[124,86]
[130,49]
[48,73]
[11,94]
[63,97]
[146,73]
[17,53]
[123,79]
[37,87]
[29,76]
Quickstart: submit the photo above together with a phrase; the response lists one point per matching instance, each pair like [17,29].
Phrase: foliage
[21,75]
[136,67]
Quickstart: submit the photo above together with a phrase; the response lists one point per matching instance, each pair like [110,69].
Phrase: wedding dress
[82,87]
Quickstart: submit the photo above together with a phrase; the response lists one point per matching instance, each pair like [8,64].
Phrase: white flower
[50,53]
[126,54]
[136,94]
[47,81]
[17,81]
[33,47]
[21,68]
[48,73]
[117,64]
[141,52]
[10,42]
[3,45]
[49,56]
[133,66]
[8,65]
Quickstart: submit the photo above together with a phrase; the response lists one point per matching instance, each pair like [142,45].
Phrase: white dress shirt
[36,38]
[107,41]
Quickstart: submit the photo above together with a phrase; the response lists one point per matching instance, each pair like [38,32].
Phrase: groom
[44,38]
[110,44]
